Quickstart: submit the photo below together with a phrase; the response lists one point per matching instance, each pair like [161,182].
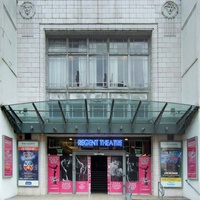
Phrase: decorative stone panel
[169,9]
[27,10]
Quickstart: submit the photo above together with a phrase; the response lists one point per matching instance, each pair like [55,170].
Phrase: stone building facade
[41,38]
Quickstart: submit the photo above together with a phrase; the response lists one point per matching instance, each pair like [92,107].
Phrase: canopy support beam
[41,121]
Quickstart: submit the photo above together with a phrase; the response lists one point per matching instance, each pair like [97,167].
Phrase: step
[150,197]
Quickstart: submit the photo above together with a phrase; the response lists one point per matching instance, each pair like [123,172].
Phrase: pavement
[69,197]
[83,197]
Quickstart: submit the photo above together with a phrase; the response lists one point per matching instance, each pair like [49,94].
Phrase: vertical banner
[108,175]
[89,174]
[28,163]
[192,158]
[81,174]
[144,175]
[65,183]
[116,174]
[53,173]
[170,162]
[132,178]
[7,156]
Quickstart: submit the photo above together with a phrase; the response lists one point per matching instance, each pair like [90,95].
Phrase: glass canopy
[105,116]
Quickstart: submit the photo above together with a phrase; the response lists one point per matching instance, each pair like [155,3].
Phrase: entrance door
[99,174]
[99,178]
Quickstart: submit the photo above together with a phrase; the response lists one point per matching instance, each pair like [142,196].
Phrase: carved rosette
[27,10]
[170,9]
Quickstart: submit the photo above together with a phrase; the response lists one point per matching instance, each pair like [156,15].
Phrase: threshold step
[150,197]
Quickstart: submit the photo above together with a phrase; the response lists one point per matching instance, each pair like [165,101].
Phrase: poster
[144,175]
[59,174]
[82,185]
[7,157]
[65,183]
[116,174]
[53,173]
[170,161]
[192,158]
[28,163]
[138,174]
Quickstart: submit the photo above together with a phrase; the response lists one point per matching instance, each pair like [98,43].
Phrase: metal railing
[161,191]
[187,181]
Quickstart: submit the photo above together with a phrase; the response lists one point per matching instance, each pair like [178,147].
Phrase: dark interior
[99,174]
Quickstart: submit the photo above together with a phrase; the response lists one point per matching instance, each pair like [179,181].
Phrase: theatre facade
[100,145]
[101,98]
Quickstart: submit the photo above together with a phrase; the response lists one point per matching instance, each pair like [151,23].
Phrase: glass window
[139,46]
[97,46]
[98,71]
[77,71]
[139,71]
[79,45]
[118,46]
[56,45]
[57,71]
[105,63]
[118,71]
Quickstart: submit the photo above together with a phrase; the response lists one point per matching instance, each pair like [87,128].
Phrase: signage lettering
[100,142]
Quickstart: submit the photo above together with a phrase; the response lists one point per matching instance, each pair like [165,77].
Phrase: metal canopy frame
[99,116]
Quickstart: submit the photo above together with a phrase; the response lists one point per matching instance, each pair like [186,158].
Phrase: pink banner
[53,174]
[144,175]
[192,158]
[7,156]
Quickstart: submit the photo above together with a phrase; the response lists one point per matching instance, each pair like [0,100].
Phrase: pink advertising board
[59,174]
[53,174]
[7,156]
[192,169]
[144,175]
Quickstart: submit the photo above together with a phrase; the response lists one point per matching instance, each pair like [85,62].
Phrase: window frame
[107,55]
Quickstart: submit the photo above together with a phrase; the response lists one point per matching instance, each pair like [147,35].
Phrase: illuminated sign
[100,142]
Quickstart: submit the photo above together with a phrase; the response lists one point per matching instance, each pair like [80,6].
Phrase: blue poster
[28,163]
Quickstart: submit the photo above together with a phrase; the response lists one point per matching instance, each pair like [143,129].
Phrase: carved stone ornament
[27,10]
[169,9]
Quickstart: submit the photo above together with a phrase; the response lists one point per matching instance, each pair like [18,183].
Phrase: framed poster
[192,149]
[28,163]
[171,164]
[7,156]
[82,182]
[116,174]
